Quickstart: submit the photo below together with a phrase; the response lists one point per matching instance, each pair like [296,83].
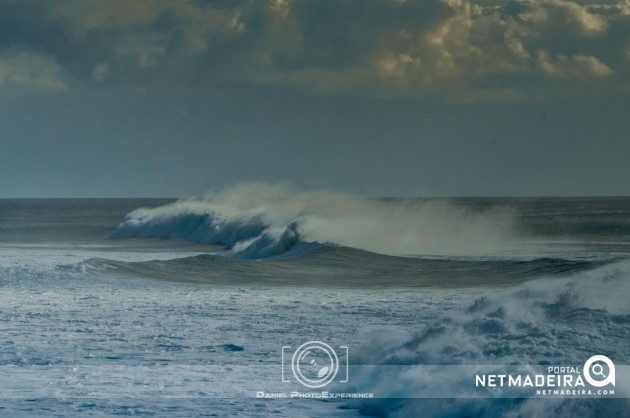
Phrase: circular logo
[315,364]
[596,374]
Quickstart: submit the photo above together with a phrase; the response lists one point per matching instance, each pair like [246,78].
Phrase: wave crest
[259,221]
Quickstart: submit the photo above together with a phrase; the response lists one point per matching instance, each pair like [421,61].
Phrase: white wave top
[259,220]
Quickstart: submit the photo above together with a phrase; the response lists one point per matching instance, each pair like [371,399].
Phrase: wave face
[260,221]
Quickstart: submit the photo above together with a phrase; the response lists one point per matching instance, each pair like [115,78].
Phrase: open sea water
[157,307]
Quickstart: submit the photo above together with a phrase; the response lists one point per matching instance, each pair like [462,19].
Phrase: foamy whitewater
[177,308]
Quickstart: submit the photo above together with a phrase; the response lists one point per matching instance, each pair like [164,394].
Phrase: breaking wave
[542,322]
[260,221]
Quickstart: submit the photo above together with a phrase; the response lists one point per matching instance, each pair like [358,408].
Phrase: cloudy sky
[379,97]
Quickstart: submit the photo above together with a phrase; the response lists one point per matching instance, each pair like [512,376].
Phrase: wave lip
[260,221]
[246,237]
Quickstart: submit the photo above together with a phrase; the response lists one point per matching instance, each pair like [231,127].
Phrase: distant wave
[260,221]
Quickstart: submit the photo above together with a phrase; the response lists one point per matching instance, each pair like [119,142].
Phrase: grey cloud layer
[394,47]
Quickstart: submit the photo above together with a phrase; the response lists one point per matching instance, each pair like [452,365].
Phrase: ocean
[255,302]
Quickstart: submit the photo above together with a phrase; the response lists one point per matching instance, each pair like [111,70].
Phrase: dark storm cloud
[387,97]
[390,48]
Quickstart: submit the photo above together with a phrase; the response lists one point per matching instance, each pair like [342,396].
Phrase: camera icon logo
[314,364]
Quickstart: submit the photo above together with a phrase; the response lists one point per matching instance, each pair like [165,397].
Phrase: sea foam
[542,322]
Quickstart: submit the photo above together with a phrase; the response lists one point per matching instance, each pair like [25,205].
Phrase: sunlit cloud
[390,48]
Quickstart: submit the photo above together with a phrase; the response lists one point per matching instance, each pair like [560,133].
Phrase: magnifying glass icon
[598,370]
